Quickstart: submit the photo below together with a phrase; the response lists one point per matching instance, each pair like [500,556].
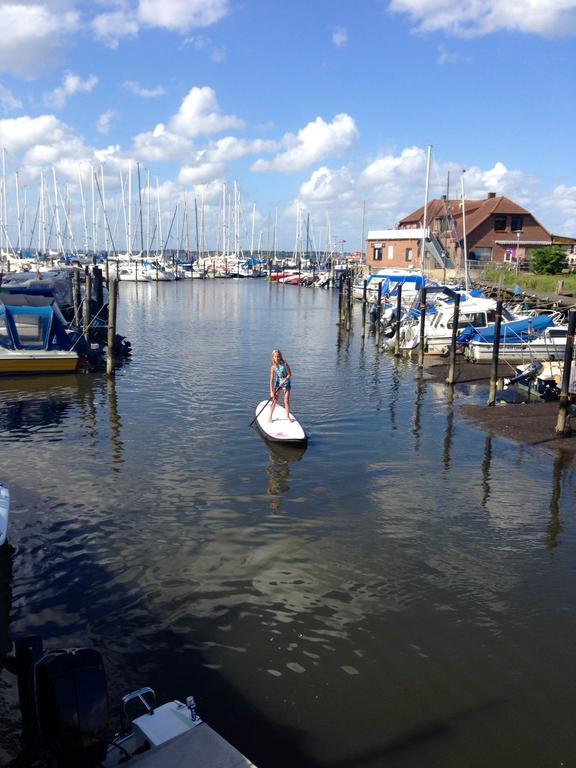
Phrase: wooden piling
[365,292]
[112,307]
[422,328]
[86,310]
[378,311]
[495,354]
[76,297]
[398,318]
[453,345]
[562,425]
[98,288]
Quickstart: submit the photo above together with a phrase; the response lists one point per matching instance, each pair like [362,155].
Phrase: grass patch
[528,281]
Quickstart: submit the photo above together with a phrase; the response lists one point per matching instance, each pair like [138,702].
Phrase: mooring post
[340,296]
[86,310]
[562,425]
[98,288]
[455,320]
[378,311]
[495,354]
[112,308]
[365,292]
[76,296]
[398,317]
[422,328]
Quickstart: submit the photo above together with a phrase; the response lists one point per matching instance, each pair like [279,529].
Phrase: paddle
[279,387]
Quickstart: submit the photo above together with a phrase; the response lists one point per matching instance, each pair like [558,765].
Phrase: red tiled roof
[477,211]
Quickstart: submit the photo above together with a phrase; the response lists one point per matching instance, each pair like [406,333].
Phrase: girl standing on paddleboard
[280,375]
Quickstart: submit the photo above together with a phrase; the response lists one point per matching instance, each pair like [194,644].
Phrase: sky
[314,117]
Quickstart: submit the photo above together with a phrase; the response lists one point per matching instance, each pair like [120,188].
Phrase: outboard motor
[64,702]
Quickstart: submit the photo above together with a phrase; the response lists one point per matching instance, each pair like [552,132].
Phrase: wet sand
[532,423]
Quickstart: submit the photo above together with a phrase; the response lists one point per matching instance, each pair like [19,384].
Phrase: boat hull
[20,362]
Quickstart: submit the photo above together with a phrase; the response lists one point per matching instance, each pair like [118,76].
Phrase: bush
[548,261]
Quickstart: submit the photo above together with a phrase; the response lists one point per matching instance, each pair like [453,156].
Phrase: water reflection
[39,403]
[115,427]
[561,462]
[449,433]
[278,470]
[486,468]
[417,419]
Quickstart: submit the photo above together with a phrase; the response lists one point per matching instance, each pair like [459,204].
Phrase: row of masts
[85,218]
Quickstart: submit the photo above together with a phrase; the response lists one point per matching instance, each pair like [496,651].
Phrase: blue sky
[324,107]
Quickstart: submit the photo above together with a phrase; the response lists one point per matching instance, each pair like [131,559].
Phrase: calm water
[399,594]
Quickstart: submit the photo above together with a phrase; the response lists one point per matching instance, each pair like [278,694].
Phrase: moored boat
[4,512]
[33,340]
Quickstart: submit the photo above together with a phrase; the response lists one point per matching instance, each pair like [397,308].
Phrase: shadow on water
[179,668]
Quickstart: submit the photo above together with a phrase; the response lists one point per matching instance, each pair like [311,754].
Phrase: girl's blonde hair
[277,352]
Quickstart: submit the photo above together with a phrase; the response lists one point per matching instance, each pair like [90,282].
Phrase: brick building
[497,230]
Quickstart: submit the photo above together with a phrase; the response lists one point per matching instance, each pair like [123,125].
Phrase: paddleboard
[280,429]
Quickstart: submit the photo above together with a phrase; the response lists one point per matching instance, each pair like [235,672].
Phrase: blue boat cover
[513,332]
[37,328]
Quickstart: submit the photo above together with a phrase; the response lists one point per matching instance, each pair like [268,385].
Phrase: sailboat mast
[425,215]
[18,219]
[464,246]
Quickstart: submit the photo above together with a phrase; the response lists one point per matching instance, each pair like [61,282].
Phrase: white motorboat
[64,707]
[4,512]
[475,312]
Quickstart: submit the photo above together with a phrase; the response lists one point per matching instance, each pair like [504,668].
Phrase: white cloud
[8,102]
[144,93]
[204,44]
[481,17]
[160,145]
[563,199]
[33,36]
[339,37]
[111,27]
[105,121]
[327,186]
[450,57]
[212,163]
[71,85]
[313,143]
[182,15]
[201,173]
[200,114]
[21,133]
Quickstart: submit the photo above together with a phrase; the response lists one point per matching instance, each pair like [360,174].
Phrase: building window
[378,254]
[517,223]
[409,254]
[390,252]
[480,254]
[500,223]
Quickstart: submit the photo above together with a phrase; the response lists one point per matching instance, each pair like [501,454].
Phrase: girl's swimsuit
[280,373]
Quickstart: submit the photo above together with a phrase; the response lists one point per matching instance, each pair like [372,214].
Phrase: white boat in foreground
[280,429]
[64,706]
[4,512]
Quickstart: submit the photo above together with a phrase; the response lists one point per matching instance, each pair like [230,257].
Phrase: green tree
[548,261]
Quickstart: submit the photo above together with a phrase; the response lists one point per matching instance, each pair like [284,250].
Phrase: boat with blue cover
[35,340]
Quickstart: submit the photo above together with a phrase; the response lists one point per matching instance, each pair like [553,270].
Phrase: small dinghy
[280,429]
[4,511]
